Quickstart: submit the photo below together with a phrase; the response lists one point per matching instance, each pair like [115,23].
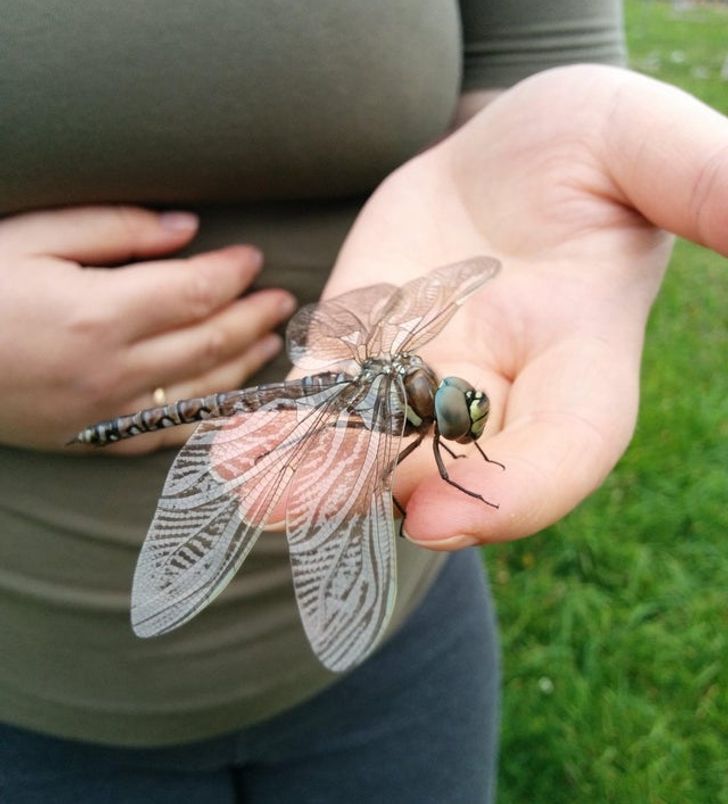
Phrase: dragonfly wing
[335,331]
[220,492]
[340,527]
[421,308]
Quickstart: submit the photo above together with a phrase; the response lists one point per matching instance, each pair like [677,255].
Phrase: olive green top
[275,119]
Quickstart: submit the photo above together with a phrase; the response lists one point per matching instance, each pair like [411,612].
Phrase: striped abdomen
[214,406]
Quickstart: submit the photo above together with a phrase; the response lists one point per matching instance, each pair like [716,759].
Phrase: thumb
[668,154]
[97,235]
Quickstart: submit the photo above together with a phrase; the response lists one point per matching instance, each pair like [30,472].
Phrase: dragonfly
[319,451]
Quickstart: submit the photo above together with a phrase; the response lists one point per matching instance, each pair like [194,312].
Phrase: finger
[233,374]
[668,154]
[180,354]
[149,298]
[559,441]
[97,235]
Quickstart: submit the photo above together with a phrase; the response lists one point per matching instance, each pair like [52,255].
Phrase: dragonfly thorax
[420,385]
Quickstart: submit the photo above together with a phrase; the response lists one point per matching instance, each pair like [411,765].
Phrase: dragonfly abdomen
[214,406]
[185,411]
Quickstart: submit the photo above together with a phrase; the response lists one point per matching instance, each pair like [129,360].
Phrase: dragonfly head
[460,410]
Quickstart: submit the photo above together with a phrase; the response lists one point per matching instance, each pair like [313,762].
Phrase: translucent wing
[341,529]
[383,319]
[417,311]
[336,330]
[223,485]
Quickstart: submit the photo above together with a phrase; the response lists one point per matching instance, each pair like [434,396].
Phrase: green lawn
[615,621]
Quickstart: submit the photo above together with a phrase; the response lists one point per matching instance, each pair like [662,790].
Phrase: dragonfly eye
[478,408]
[451,408]
[461,410]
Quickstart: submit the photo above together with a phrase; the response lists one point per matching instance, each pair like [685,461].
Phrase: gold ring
[159,396]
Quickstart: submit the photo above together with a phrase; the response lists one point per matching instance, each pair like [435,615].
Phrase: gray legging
[416,724]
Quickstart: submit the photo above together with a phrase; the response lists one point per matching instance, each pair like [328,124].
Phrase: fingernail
[287,305]
[271,345]
[179,221]
[451,543]
[256,256]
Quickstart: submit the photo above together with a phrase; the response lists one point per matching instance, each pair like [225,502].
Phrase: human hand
[86,343]
[569,178]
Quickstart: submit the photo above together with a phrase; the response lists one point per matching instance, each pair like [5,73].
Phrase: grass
[615,621]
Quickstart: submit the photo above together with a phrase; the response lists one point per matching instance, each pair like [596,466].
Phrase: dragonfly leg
[408,450]
[437,445]
[456,454]
[487,459]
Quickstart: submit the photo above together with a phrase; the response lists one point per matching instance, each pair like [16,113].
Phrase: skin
[101,340]
[570,178]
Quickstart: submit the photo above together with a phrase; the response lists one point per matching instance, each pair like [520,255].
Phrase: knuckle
[215,347]
[89,366]
[199,296]
[89,324]
[87,313]
[709,181]
[129,218]
[133,227]
[95,387]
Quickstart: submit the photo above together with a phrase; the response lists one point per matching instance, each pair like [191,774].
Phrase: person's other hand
[570,179]
[81,343]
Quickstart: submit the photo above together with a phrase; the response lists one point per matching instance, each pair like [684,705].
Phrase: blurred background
[615,621]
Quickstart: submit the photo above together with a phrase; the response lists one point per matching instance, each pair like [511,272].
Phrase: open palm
[570,179]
